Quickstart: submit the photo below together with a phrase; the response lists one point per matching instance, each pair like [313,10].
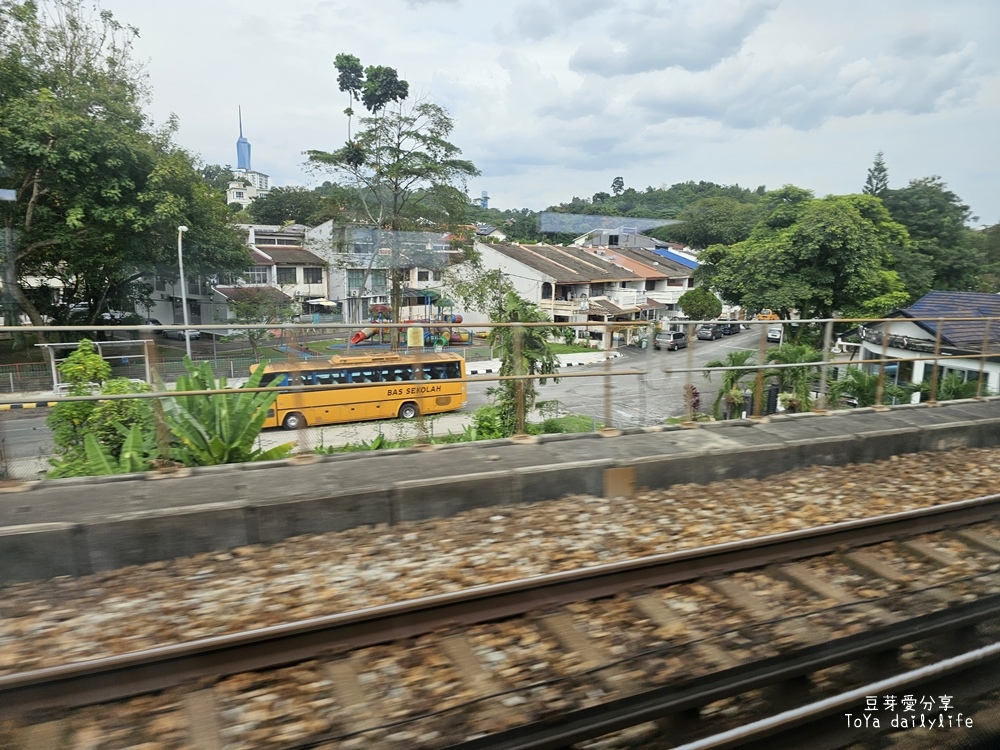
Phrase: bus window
[339,376]
[324,377]
[438,371]
[308,378]
[454,369]
[401,373]
[274,379]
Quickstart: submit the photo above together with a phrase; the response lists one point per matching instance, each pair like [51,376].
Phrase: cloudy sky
[555,98]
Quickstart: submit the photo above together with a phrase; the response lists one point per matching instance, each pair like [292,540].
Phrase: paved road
[636,401]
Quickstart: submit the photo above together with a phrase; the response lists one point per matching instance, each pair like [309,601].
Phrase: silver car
[181,334]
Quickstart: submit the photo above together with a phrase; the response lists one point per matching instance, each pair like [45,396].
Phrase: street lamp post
[184,301]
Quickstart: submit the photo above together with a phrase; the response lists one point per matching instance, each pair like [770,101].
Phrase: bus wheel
[294,421]
[408,410]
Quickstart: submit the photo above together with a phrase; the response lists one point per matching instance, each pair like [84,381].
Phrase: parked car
[154,322]
[774,334]
[731,328]
[180,334]
[670,340]
[710,333]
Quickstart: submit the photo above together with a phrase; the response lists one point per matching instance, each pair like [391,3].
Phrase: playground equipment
[432,331]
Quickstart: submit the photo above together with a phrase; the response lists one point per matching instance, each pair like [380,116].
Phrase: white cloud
[554,98]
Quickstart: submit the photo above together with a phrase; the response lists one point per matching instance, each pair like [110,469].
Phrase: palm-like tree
[731,389]
[953,387]
[796,381]
[863,388]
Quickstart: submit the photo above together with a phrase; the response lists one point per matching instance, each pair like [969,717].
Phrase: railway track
[559,659]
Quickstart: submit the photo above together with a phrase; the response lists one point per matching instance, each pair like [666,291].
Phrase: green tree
[399,162]
[877,181]
[258,306]
[292,204]
[617,186]
[944,249]
[217,176]
[99,191]
[700,304]
[817,256]
[797,382]
[523,351]
[730,392]
[716,220]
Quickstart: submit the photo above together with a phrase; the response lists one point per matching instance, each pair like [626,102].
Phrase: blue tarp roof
[675,257]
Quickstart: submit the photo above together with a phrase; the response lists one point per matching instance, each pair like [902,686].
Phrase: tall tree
[399,162]
[293,204]
[99,192]
[944,253]
[617,185]
[877,181]
[817,256]
[716,220]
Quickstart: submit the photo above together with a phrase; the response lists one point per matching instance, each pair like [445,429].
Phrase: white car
[181,334]
[774,334]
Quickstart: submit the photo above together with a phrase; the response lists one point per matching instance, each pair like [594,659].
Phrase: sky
[555,98]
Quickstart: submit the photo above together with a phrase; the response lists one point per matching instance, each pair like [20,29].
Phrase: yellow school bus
[352,389]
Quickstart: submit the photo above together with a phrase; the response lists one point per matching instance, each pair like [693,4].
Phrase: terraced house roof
[566,265]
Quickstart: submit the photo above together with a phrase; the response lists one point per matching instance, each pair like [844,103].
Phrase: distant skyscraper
[242,148]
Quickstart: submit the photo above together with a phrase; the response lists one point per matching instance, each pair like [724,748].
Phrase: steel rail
[821,725]
[596,721]
[122,676]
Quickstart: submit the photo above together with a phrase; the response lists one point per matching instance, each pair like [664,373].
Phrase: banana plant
[219,429]
[132,459]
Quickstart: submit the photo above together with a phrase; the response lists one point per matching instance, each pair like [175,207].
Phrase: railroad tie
[801,576]
[591,655]
[929,552]
[979,540]
[351,694]
[202,712]
[800,630]
[664,617]
[481,680]
[871,565]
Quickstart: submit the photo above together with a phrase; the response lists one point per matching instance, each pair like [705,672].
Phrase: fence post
[934,371]
[821,402]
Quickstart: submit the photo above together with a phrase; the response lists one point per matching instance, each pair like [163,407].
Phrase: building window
[286,275]
[239,193]
[612,240]
[160,284]
[354,279]
[258,275]
[380,282]
[312,275]
[423,275]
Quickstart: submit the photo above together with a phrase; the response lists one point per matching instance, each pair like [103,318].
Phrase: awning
[322,301]
[428,293]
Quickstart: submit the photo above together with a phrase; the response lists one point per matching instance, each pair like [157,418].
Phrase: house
[962,326]
[359,259]
[665,280]
[574,286]
[277,262]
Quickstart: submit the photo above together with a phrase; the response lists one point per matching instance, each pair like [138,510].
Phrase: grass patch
[569,348]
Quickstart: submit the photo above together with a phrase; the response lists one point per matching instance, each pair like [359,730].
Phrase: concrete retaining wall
[76,527]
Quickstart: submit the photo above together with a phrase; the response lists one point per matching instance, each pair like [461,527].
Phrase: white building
[932,324]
